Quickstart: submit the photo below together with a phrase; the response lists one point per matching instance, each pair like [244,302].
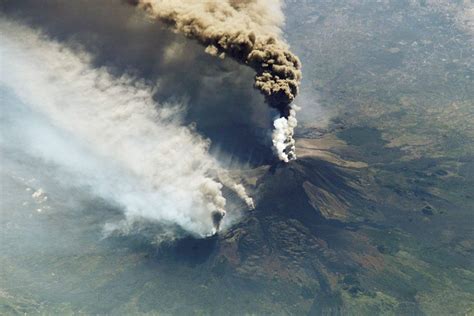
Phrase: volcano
[129,131]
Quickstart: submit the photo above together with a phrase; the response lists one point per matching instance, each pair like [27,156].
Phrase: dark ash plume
[248,31]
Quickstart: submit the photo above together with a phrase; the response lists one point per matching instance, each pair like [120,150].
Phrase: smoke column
[108,134]
[247,31]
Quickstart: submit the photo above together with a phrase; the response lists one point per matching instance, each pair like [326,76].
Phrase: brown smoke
[246,30]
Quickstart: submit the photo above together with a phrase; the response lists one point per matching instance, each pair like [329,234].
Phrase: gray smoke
[108,134]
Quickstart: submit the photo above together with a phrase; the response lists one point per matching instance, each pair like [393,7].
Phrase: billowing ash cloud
[108,134]
[247,31]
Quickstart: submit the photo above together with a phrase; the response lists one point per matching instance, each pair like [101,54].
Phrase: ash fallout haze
[235,157]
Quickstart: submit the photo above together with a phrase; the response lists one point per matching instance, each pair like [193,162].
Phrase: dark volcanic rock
[288,238]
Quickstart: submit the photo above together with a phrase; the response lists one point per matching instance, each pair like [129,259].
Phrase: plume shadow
[219,94]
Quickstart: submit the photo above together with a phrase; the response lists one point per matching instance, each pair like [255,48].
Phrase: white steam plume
[238,188]
[116,140]
[282,137]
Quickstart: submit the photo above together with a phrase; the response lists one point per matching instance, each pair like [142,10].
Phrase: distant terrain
[375,217]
